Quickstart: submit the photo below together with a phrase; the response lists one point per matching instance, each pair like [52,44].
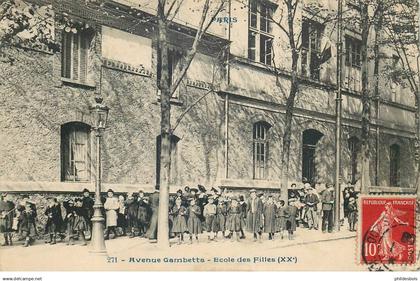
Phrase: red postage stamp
[388,230]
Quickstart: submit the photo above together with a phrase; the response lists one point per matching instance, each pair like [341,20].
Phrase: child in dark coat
[144,214]
[194,222]
[352,213]
[132,207]
[243,205]
[27,223]
[80,225]
[221,217]
[269,211]
[69,220]
[281,216]
[235,221]
[54,220]
[7,212]
[291,212]
[179,226]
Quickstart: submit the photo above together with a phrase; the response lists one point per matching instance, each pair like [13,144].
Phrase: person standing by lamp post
[100,117]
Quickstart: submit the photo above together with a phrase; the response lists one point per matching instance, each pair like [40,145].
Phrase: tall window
[353,52]
[353,63]
[354,148]
[174,58]
[311,45]
[75,152]
[310,140]
[260,39]
[75,55]
[394,165]
[260,148]
[174,159]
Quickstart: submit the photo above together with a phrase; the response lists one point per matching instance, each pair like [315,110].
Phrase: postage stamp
[387,234]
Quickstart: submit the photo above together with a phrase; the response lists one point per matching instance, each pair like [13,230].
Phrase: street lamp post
[338,107]
[100,115]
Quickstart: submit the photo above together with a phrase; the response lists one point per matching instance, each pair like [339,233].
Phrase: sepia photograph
[209,135]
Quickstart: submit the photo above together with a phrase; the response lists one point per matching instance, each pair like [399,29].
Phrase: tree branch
[190,56]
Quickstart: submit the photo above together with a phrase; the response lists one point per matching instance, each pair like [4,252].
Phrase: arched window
[310,139]
[260,149]
[75,152]
[354,148]
[174,159]
[394,165]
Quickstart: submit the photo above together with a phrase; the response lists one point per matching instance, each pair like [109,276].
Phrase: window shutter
[71,169]
[80,155]
[75,152]
[76,57]
[65,156]
[84,47]
[66,55]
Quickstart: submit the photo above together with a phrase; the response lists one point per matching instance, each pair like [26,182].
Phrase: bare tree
[23,24]
[286,20]
[390,21]
[401,34]
[166,12]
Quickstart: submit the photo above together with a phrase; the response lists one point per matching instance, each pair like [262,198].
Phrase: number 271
[112,259]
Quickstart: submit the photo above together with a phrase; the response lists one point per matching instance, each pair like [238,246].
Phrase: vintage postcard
[209,135]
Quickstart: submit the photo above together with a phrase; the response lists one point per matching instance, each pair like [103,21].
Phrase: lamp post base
[98,240]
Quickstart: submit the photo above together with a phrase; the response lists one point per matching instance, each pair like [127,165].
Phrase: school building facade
[231,138]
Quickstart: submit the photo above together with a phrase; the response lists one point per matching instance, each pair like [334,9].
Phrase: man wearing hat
[87,205]
[311,202]
[254,214]
[327,199]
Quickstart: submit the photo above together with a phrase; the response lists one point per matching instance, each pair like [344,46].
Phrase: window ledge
[72,82]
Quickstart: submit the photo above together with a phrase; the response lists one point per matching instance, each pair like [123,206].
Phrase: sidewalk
[60,256]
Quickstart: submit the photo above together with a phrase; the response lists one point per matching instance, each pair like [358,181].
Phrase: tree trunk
[287,134]
[378,28]
[366,100]
[290,102]
[417,140]
[165,151]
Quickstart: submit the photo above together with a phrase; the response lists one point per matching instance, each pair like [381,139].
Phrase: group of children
[21,218]
[227,214]
[192,211]
[310,205]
